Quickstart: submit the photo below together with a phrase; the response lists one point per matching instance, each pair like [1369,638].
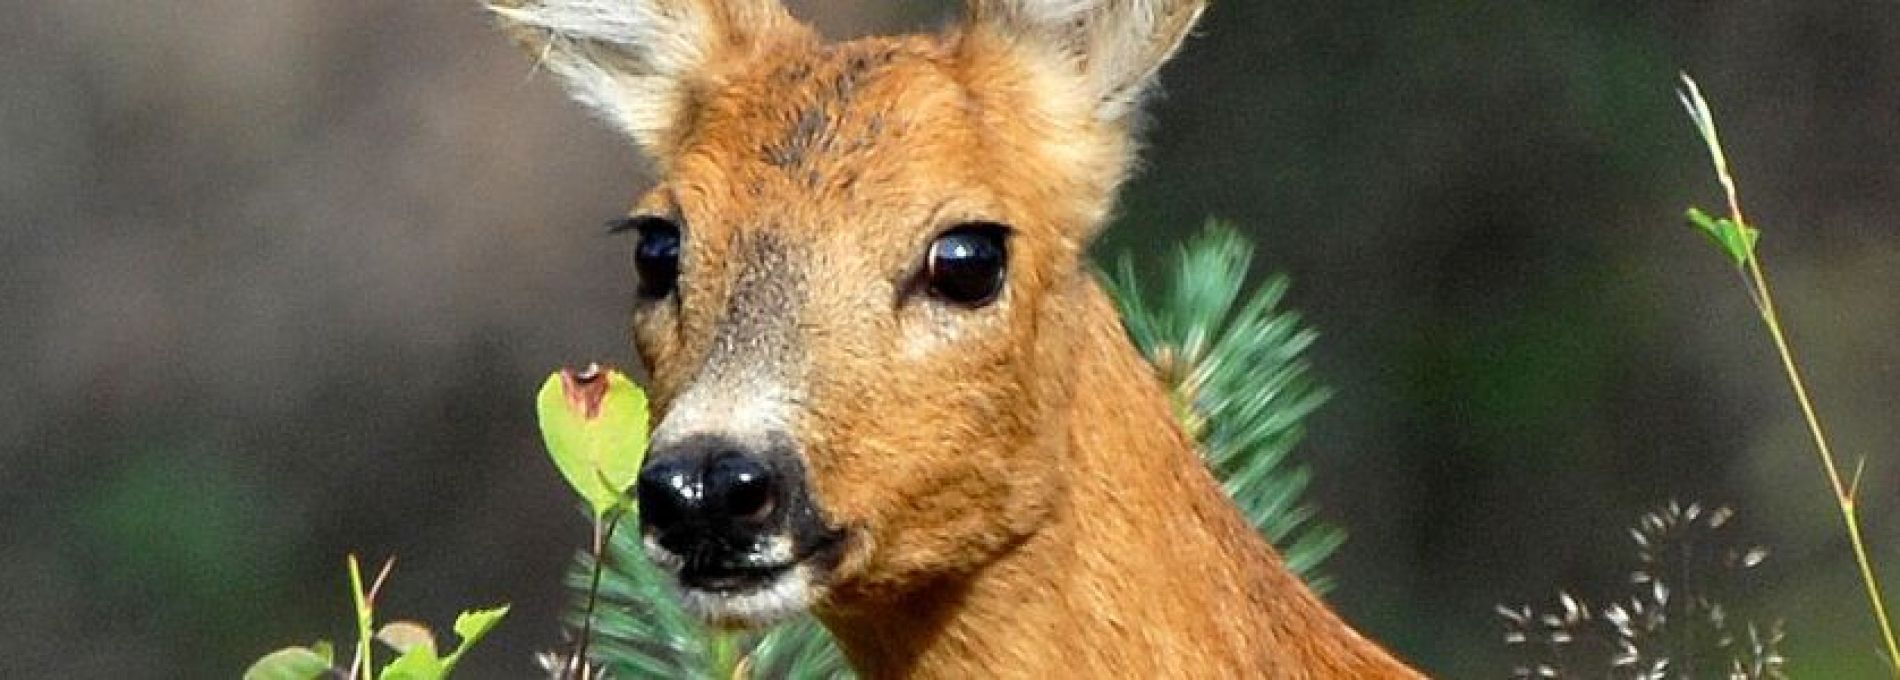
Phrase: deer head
[856,275]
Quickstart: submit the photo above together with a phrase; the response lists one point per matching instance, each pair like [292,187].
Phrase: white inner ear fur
[1117,44]
[626,60]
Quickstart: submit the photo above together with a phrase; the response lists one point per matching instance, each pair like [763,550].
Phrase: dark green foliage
[1232,362]
[640,630]
[799,649]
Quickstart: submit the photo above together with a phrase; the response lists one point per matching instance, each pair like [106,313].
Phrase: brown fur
[1018,499]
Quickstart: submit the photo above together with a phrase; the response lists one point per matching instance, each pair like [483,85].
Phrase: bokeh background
[278,281]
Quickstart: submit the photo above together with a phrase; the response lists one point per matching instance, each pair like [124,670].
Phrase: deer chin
[785,594]
[765,586]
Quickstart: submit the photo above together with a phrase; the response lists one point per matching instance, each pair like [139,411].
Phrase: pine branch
[639,629]
[1233,363]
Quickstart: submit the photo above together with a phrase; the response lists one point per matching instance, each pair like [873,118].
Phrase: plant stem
[601,541]
[1842,495]
[362,668]
[1757,281]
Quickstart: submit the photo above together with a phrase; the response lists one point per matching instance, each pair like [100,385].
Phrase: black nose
[705,490]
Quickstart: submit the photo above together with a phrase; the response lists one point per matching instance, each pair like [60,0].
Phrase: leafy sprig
[417,656]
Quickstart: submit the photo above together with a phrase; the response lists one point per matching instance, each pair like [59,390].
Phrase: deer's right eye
[657,257]
[965,265]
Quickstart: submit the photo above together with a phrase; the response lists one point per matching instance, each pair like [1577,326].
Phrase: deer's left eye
[965,265]
[657,256]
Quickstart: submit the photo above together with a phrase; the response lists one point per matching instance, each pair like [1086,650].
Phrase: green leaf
[419,660]
[290,663]
[595,426]
[472,626]
[1738,240]
[419,663]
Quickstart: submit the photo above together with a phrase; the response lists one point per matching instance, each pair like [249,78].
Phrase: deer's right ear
[636,63]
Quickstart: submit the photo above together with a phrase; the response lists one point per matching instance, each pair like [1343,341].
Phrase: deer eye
[965,265]
[657,257]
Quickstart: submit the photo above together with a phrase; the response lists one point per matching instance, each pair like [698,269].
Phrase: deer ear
[635,63]
[1116,46]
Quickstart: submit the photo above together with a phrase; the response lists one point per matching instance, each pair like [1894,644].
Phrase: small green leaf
[1702,220]
[404,636]
[324,649]
[1738,240]
[419,660]
[1743,239]
[289,663]
[472,626]
[419,663]
[595,426]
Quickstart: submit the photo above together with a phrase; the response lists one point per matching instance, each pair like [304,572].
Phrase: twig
[578,664]
[1844,495]
[365,603]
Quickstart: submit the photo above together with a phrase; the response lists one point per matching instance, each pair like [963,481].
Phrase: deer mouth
[776,579]
[755,569]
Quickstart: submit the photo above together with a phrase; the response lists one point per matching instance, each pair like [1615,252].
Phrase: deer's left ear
[1115,46]
[638,63]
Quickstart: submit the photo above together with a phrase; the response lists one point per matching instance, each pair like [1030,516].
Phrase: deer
[887,385]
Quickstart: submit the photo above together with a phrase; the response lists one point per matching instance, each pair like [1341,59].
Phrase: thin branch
[1698,107]
[578,664]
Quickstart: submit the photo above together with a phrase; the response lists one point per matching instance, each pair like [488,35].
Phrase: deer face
[837,308]
[852,277]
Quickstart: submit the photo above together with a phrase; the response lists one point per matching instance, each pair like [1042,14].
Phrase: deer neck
[1143,570]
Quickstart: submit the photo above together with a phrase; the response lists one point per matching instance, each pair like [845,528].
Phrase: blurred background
[278,281]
